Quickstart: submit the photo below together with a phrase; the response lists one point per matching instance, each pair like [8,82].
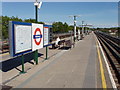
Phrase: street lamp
[83,27]
[74,17]
[37,5]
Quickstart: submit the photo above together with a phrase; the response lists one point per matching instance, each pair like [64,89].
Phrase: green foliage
[30,20]
[5,24]
[65,27]
[41,22]
[15,19]
[59,27]
[5,21]
[71,28]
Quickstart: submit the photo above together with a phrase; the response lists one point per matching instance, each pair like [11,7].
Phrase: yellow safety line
[101,69]
[4,54]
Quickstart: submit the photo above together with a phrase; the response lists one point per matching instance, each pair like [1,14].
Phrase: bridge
[93,62]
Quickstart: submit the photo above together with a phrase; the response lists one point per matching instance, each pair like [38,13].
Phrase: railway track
[111,47]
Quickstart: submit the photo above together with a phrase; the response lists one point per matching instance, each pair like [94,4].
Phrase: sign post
[36,52]
[37,5]
[46,53]
[23,71]
[37,39]
[36,57]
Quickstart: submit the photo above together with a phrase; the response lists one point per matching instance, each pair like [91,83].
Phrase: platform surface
[74,68]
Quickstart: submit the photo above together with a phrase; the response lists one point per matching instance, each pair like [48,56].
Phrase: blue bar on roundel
[37,36]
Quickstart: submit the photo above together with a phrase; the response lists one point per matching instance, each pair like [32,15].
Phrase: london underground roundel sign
[39,36]
[37,39]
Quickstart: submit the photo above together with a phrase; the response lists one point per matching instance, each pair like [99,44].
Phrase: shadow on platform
[61,48]
[64,48]
[15,62]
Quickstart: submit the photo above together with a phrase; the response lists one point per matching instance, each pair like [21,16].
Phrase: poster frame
[12,38]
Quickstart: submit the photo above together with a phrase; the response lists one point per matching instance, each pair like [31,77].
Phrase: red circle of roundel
[37,30]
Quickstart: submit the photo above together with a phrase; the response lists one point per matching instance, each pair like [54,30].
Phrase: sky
[98,14]
[61,0]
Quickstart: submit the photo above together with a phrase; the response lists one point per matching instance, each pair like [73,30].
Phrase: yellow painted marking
[101,69]
[4,54]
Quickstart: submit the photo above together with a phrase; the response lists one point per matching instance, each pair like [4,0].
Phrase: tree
[5,21]
[32,21]
[71,28]
[65,27]
[15,19]
[58,27]
[5,24]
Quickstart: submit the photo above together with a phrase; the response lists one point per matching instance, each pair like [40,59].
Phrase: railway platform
[80,67]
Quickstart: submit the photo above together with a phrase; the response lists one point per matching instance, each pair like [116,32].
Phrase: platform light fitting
[38,4]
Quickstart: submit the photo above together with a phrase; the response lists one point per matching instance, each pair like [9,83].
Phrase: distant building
[113,32]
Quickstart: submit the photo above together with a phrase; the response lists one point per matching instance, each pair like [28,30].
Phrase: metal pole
[82,28]
[71,37]
[74,28]
[46,53]
[23,71]
[36,52]
[36,13]
[86,29]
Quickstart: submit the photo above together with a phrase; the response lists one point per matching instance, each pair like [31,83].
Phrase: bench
[66,43]
[69,44]
[54,46]
[61,43]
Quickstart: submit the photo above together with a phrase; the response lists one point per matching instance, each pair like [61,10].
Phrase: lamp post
[75,28]
[36,11]
[37,5]
[82,27]
[86,29]
[74,17]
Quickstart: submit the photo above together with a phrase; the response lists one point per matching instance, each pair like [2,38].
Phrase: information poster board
[37,36]
[46,36]
[20,38]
